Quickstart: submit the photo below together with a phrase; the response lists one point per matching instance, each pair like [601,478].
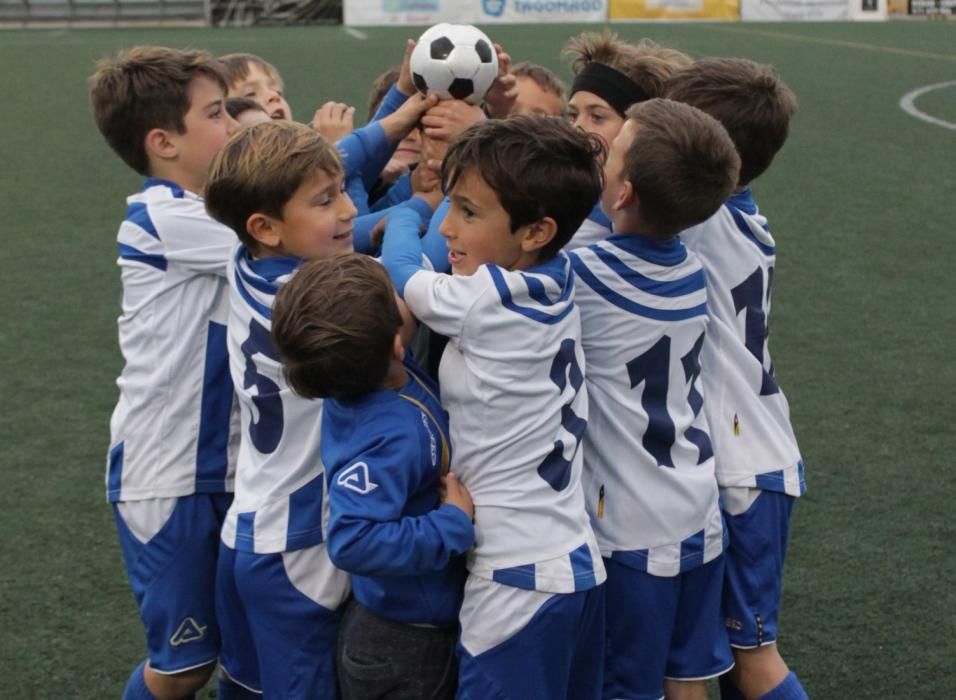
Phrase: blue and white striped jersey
[281,501]
[512,381]
[748,413]
[174,431]
[648,463]
[593,229]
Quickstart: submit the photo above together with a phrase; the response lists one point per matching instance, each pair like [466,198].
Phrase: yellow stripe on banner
[836,42]
[673,9]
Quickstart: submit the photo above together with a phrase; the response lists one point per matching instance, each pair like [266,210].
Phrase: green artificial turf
[861,204]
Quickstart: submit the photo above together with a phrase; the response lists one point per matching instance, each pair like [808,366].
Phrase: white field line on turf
[356,33]
[786,36]
[907,104]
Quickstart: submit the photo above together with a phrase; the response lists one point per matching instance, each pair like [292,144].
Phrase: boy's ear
[536,236]
[626,197]
[398,347]
[159,144]
[263,228]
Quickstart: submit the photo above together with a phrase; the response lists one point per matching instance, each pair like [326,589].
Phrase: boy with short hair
[540,91]
[337,328]
[648,462]
[759,468]
[248,75]
[512,382]
[173,433]
[278,186]
[610,75]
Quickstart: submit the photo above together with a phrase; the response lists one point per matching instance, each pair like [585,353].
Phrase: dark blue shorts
[663,627]
[173,578]
[557,655]
[753,581]
[275,639]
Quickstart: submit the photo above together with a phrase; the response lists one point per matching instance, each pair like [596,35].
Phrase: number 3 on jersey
[265,430]
[568,377]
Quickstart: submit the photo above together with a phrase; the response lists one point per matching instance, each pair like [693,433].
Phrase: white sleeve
[192,238]
[443,302]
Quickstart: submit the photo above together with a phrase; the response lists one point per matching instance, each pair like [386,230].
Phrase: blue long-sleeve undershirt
[402,248]
[362,228]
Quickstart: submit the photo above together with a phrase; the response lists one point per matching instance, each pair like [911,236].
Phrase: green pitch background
[861,202]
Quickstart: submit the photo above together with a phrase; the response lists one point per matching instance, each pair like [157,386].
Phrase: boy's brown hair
[380,87]
[682,165]
[236,68]
[259,170]
[748,98]
[537,166]
[145,88]
[544,77]
[648,64]
[334,326]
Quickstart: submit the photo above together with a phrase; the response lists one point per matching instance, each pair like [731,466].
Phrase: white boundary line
[787,36]
[907,104]
[355,33]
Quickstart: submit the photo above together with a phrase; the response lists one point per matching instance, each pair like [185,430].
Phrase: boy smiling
[512,383]
[172,433]
[279,186]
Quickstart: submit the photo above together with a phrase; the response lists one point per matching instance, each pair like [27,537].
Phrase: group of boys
[596,502]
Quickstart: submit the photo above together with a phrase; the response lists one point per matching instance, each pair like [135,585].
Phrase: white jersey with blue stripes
[281,500]
[512,381]
[648,462]
[749,415]
[174,431]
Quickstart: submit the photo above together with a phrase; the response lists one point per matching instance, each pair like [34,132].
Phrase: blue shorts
[663,627]
[754,573]
[276,640]
[173,579]
[557,655]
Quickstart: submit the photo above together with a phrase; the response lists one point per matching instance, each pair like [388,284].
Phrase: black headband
[610,85]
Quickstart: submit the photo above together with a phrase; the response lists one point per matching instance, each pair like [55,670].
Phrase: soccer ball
[454,61]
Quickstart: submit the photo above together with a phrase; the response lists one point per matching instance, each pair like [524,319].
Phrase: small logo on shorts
[189,631]
[732,624]
[356,478]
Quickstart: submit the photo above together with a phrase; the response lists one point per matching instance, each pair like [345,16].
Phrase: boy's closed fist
[334,120]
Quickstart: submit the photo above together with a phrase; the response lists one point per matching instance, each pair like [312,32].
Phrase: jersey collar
[670,252]
[272,268]
[178,192]
[744,201]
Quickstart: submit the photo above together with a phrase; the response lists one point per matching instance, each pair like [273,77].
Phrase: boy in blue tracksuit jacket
[398,521]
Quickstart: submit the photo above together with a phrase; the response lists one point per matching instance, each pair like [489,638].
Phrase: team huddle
[474,401]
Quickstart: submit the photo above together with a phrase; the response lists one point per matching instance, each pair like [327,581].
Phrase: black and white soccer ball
[454,61]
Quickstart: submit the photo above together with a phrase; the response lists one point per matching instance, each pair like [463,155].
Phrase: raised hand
[334,120]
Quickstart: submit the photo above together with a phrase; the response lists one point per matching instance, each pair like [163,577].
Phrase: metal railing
[216,12]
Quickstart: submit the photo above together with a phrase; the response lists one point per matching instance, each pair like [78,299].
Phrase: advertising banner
[623,10]
[794,10]
[424,12]
[868,10]
[932,8]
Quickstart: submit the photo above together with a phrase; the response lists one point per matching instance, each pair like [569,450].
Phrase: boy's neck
[163,170]
[627,221]
[396,377]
